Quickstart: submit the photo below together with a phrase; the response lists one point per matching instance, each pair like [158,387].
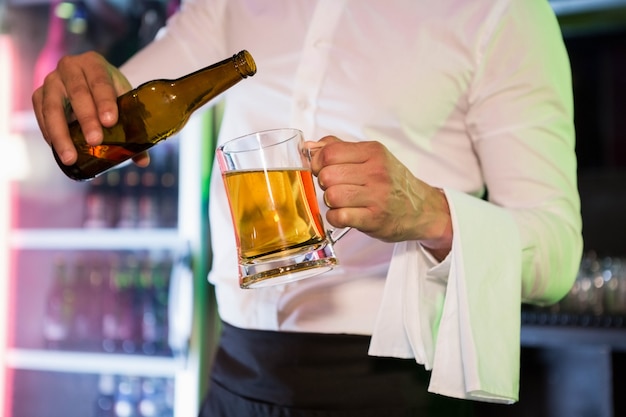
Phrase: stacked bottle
[117,305]
[133,197]
[132,396]
[597,298]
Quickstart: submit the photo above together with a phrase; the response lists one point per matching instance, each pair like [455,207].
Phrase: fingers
[347,195]
[37,102]
[351,163]
[91,93]
[84,88]
[331,151]
[352,206]
[50,106]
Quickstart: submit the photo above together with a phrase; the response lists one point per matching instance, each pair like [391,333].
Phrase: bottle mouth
[244,63]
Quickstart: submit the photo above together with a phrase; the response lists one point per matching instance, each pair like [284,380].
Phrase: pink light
[7,63]
[6,72]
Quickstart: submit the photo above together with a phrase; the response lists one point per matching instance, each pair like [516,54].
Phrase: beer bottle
[60,308]
[151,113]
[110,305]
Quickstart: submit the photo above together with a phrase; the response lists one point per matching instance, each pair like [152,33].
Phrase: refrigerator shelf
[87,239]
[93,363]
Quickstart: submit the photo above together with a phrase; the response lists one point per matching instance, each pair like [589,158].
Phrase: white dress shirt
[469,95]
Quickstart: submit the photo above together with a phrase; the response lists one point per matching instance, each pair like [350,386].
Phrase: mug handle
[335,234]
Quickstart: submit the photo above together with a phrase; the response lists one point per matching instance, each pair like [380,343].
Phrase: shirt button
[303,104]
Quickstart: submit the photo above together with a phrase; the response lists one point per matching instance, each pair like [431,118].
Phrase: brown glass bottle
[151,113]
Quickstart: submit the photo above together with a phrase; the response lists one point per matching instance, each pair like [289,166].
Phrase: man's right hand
[84,87]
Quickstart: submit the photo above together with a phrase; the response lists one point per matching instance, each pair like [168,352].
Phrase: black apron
[282,374]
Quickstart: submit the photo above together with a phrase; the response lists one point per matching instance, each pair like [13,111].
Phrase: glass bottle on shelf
[81,332]
[148,204]
[129,197]
[109,317]
[154,395]
[60,307]
[168,188]
[106,396]
[147,317]
[127,396]
[96,205]
[126,281]
[161,284]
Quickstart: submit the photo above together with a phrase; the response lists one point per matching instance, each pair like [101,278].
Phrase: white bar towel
[460,318]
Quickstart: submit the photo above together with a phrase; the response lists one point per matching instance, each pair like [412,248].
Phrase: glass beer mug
[279,230]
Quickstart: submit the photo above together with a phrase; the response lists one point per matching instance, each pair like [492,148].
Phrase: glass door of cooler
[106,291]
[105,309]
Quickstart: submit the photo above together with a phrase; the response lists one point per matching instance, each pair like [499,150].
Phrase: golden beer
[273,211]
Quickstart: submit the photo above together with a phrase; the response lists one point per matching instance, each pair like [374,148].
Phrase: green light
[65,10]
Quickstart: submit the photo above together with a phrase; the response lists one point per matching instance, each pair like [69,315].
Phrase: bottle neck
[207,83]
[241,64]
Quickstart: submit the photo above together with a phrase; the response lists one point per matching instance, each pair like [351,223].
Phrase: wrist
[440,244]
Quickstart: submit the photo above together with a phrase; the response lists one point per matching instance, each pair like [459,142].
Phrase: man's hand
[368,188]
[84,87]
